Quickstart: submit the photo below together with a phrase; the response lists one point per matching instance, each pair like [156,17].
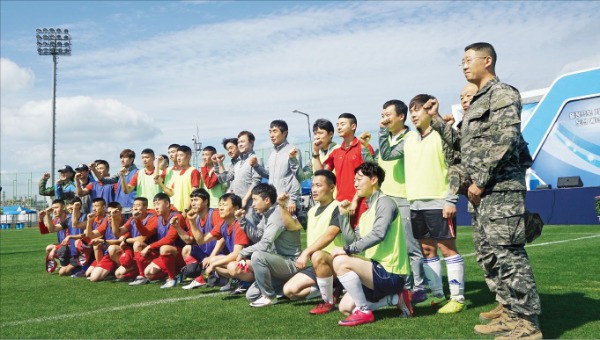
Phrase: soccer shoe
[419,296]
[499,326]
[170,283]
[228,286]
[140,280]
[322,308]
[263,301]
[405,304]
[493,314]
[452,307]
[50,265]
[198,282]
[524,329]
[78,274]
[241,288]
[358,317]
[432,301]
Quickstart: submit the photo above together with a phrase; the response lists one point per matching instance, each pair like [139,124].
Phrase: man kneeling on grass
[322,235]
[105,240]
[376,278]
[273,257]
[227,231]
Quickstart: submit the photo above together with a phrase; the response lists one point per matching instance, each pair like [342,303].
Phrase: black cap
[82,167]
[66,168]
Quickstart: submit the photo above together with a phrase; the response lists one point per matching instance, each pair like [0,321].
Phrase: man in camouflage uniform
[494,158]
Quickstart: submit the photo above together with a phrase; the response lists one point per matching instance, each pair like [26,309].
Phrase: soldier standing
[490,145]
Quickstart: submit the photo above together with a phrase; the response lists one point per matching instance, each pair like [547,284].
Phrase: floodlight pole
[52,159]
[53,42]
[308,122]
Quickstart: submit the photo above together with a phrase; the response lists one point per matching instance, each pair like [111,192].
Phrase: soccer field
[34,304]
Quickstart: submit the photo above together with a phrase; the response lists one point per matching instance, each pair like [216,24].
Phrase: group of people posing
[373,236]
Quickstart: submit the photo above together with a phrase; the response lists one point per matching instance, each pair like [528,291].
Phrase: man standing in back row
[491,144]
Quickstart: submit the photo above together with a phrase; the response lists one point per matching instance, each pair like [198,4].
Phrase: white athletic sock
[313,293]
[390,300]
[326,288]
[456,275]
[353,286]
[433,272]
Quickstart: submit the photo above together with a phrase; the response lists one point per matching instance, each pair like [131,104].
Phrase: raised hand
[46,176]
[344,207]
[293,153]
[240,213]
[253,161]
[365,138]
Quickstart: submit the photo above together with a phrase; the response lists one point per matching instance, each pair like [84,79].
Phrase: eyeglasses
[468,61]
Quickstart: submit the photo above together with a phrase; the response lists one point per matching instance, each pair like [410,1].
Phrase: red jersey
[344,160]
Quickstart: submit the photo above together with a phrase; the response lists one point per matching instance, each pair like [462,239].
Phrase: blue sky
[147,74]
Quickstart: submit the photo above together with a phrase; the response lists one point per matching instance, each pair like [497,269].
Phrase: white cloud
[13,77]
[86,129]
[326,59]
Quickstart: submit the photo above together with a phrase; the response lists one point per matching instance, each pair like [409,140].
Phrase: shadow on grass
[565,312]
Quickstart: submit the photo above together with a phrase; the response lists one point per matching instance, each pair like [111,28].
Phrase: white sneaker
[170,283]
[263,301]
[226,287]
[140,280]
[193,284]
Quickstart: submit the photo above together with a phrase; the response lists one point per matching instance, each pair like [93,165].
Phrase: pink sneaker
[405,304]
[358,317]
[323,308]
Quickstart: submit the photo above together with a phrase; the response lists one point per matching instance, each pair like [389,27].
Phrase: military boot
[493,314]
[499,326]
[525,328]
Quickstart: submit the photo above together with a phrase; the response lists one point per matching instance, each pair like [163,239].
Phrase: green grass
[34,304]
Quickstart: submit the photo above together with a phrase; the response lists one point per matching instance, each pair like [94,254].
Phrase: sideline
[547,243]
[108,309]
[196,297]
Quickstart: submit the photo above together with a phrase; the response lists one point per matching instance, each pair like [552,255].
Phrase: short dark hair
[101,161]
[73,200]
[235,200]
[144,200]
[280,124]
[249,134]
[420,100]
[349,116]
[176,146]
[148,152]
[371,169]
[486,48]
[399,107]
[165,158]
[201,193]
[210,148]
[323,124]
[229,140]
[265,190]
[161,196]
[329,176]
[115,204]
[127,153]
[185,149]
[59,201]
[99,200]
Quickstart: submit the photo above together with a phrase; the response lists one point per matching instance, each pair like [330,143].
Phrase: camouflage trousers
[499,238]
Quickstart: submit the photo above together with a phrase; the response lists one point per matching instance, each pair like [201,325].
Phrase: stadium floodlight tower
[54,42]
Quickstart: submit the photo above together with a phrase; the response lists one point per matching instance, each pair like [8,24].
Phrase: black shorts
[384,283]
[430,224]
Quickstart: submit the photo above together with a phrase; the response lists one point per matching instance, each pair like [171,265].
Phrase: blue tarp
[16,210]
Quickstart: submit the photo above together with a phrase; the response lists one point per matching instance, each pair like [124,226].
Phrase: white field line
[196,297]
[108,309]
[547,243]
